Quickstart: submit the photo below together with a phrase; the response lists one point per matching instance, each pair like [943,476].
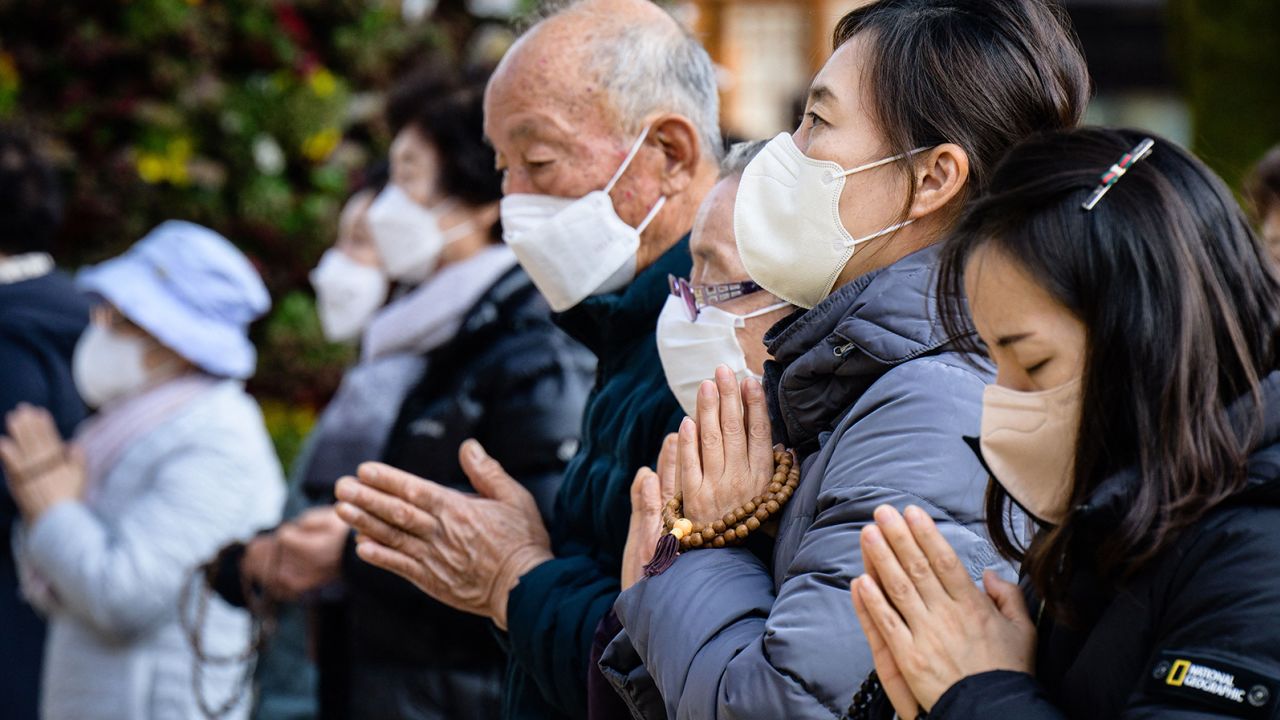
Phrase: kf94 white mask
[348,294]
[692,350]
[1029,443]
[107,366]
[787,219]
[408,235]
[574,248]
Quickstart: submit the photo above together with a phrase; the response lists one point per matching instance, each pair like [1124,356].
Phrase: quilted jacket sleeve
[751,648]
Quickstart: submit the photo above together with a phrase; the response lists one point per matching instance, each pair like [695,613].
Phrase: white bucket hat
[192,290]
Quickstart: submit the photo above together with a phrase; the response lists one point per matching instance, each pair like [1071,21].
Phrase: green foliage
[1229,57]
[302,366]
[253,117]
[289,425]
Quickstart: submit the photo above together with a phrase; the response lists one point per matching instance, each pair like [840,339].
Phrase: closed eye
[1037,367]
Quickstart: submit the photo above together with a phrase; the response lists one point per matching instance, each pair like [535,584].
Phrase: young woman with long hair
[1132,314]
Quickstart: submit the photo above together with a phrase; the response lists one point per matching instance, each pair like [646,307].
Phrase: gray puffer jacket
[877,400]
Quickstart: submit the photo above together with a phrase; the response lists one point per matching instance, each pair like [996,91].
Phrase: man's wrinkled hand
[726,458]
[466,551]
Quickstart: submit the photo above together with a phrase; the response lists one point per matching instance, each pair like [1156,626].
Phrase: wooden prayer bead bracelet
[736,525]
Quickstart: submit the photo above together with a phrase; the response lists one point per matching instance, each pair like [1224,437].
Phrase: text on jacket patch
[1185,673]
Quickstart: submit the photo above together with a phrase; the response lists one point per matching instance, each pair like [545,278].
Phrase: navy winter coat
[554,611]
[40,321]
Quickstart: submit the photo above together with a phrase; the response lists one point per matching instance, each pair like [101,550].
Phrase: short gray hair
[740,156]
[646,72]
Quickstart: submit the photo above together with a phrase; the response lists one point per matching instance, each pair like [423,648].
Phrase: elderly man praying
[604,118]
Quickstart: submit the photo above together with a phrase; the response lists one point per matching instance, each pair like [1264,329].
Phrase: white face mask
[787,219]
[574,248]
[107,366]
[347,294]
[1029,444]
[408,236]
[692,350]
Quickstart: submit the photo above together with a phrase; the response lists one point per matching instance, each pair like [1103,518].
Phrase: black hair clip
[1117,171]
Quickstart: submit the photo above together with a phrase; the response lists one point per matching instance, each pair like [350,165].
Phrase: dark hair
[30,201]
[446,106]
[1263,185]
[1181,310]
[982,74]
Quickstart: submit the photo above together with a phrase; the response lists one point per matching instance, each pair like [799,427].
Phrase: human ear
[941,174]
[682,151]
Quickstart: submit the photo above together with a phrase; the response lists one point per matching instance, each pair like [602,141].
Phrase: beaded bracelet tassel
[683,534]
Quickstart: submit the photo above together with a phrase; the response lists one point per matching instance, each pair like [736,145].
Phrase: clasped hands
[929,626]
[718,463]
[41,470]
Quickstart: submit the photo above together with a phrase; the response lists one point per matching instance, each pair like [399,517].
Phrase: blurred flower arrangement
[254,117]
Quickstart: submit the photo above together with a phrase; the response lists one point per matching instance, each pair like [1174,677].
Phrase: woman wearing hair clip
[1136,417]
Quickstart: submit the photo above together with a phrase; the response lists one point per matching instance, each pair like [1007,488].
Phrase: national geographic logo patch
[1195,679]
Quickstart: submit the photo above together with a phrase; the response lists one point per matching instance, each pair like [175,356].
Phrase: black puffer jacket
[512,380]
[1195,634]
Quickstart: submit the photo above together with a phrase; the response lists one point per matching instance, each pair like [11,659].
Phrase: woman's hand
[650,491]
[310,553]
[726,458]
[41,472]
[929,626]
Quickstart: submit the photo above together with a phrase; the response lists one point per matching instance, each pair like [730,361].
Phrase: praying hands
[726,458]
[41,470]
[928,625]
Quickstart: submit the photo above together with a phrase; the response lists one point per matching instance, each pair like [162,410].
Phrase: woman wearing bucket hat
[176,463]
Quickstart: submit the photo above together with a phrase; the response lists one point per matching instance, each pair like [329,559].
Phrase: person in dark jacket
[41,317]
[605,121]
[467,349]
[1134,318]
[865,385]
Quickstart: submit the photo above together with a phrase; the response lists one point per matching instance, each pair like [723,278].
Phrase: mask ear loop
[741,320]
[765,310]
[627,161]
[652,214]
[622,168]
[875,164]
[635,149]
[868,166]
[891,229]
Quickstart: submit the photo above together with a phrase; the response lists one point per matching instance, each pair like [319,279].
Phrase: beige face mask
[1029,444]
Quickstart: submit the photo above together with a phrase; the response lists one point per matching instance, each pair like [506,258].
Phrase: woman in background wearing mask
[176,463]
[1134,319]
[350,282]
[844,218]
[465,349]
